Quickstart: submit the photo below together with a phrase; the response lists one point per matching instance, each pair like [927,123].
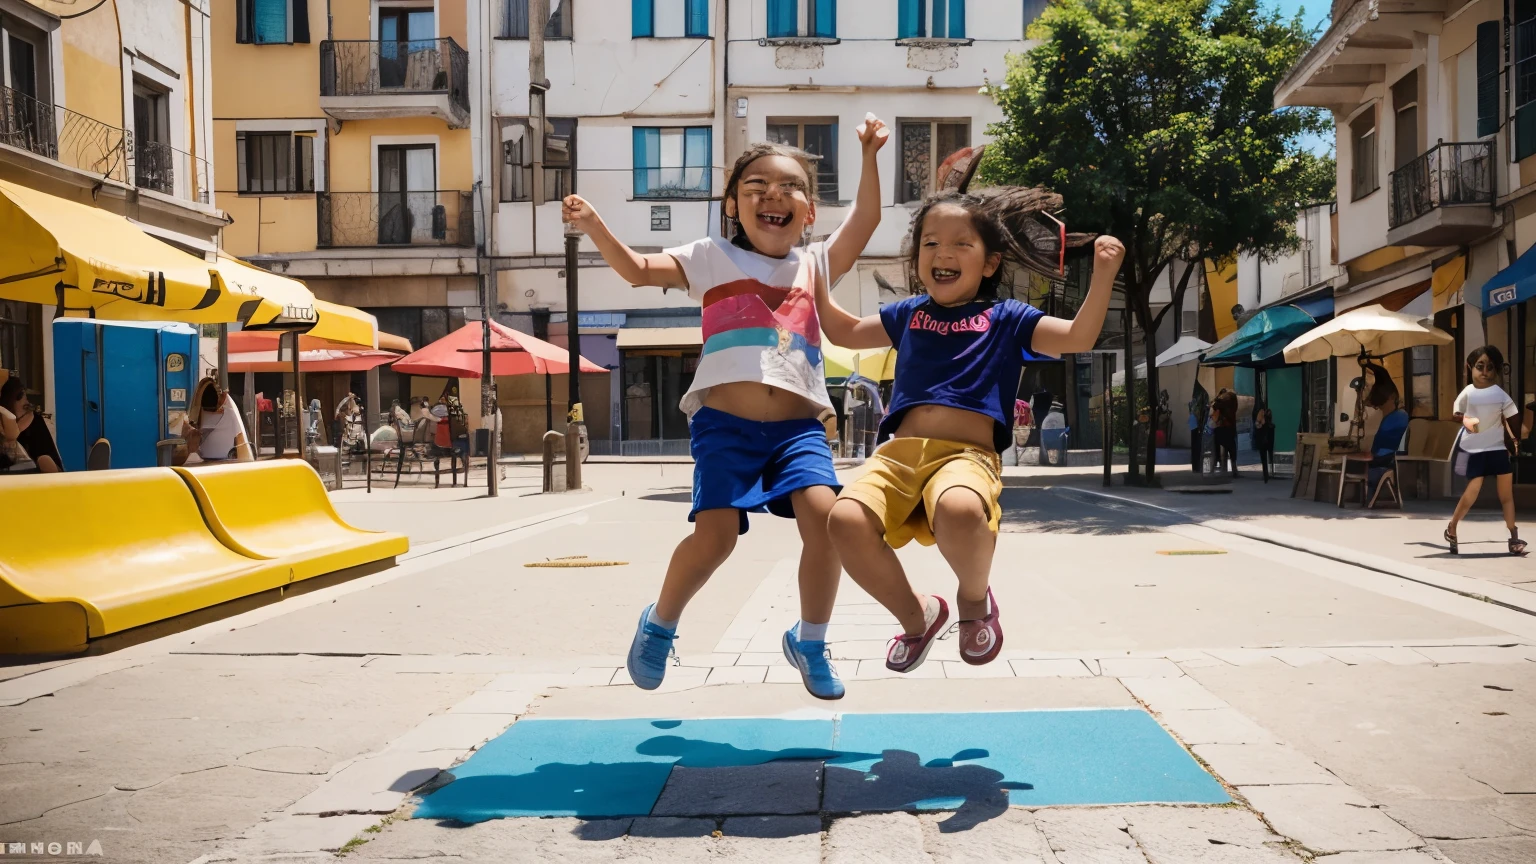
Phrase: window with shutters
[930,19]
[515,23]
[818,138]
[271,22]
[669,19]
[1405,132]
[808,19]
[1487,78]
[275,162]
[1362,136]
[673,162]
[517,160]
[1525,79]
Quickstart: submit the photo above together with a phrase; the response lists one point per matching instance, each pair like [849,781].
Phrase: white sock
[808,632]
[651,618]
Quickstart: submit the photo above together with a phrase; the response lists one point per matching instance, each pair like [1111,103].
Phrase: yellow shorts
[906,476]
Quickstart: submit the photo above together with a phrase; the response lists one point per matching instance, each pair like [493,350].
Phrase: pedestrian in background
[1484,409]
[1225,421]
[1264,439]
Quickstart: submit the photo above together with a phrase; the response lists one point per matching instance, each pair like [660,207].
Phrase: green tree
[1155,120]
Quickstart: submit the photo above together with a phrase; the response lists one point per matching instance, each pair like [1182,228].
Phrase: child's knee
[715,532]
[961,509]
[850,520]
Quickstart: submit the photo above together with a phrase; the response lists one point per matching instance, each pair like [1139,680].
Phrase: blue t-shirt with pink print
[966,357]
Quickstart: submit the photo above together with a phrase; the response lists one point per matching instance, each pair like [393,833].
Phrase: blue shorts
[1487,463]
[753,467]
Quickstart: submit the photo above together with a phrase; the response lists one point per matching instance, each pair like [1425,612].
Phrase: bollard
[554,443]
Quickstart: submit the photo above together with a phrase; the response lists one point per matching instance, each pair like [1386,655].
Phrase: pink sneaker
[981,638]
[908,652]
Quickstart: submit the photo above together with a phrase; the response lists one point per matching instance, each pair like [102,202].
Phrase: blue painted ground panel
[977,763]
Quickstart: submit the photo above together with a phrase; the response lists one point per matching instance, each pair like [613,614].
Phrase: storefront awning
[92,262]
[1514,284]
[292,305]
[1260,341]
[319,360]
[660,337]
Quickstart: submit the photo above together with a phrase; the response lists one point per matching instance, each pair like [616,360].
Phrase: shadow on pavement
[709,781]
[1065,511]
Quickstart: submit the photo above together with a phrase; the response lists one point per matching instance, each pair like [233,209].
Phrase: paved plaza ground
[1353,694]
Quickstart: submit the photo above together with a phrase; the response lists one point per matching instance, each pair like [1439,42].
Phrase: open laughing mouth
[944,276]
[776,220]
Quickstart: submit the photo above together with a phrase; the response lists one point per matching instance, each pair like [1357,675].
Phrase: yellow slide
[280,511]
[110,550]
[94,553]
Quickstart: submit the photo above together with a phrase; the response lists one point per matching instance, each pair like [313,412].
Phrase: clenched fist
[1107,251]
[575,210]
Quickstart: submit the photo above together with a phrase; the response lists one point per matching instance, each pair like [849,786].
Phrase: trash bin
[482,442]
[1053,446]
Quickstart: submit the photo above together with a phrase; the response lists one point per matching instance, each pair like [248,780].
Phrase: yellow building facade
[107,105]
[346,160]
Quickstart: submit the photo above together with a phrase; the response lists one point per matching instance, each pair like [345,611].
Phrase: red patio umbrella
[459,355]
[317,360]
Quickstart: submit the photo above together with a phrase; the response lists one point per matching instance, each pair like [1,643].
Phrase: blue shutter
[825,24]
[956,18]
[647,157]
[642,23]
[698,19]
[909,19]
[782,18]
[270,21]
[696,150]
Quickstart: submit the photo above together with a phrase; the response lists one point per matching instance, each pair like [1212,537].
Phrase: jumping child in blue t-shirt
[959,354]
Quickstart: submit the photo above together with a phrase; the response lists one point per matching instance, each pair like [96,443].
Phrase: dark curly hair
[1007,218]
[730,226]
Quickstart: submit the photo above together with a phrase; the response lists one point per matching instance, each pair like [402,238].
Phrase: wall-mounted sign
[661,217]
[175,362]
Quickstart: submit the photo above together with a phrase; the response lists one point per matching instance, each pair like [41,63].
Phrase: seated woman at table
[215,427]
[32,433]
[1384,398]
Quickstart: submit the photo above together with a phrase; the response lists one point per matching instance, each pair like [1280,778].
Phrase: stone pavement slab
[1215,726]
[1262,764]
[375,784]
[1205,835]
[1089,835]
[1010,837]
[777,788]
[879,838]
[1328,819]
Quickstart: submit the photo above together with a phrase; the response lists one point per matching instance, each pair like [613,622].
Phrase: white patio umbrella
[1186,349]
[1368,330]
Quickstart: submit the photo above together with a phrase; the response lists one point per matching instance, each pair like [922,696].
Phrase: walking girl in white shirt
[1484,409]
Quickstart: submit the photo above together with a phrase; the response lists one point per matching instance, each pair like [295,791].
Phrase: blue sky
[1315,13]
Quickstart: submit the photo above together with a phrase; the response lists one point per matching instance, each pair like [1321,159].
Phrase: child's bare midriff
[948,424]
[759,402]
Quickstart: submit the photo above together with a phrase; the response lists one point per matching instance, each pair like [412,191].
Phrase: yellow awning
[876,364]
[289,304]
[99,263]
[339,323]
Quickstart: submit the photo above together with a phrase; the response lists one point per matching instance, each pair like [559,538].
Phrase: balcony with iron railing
[1443,197]
[93,147]
[360,219]
[363,80]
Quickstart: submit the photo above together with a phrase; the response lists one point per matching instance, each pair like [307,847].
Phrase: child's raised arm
[658,269]
[1058,336]
[844,328]
[848,241]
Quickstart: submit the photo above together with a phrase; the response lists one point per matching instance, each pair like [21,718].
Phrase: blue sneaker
[815,664]
[649,652]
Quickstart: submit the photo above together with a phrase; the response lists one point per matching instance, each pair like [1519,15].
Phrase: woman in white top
[1484,409]
[220,431]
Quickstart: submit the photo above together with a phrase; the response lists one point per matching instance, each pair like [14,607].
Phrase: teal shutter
[696,150]
[698,19]
[271,21]
[956,18]
[825,24]
[782,19]
[642,23]
[647,157]
[909,19]
[1525,131]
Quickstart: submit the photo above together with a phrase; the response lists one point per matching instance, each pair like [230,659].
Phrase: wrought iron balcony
[1444,196]
[96,148]
[440,218]
[362,79]
[62,135]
